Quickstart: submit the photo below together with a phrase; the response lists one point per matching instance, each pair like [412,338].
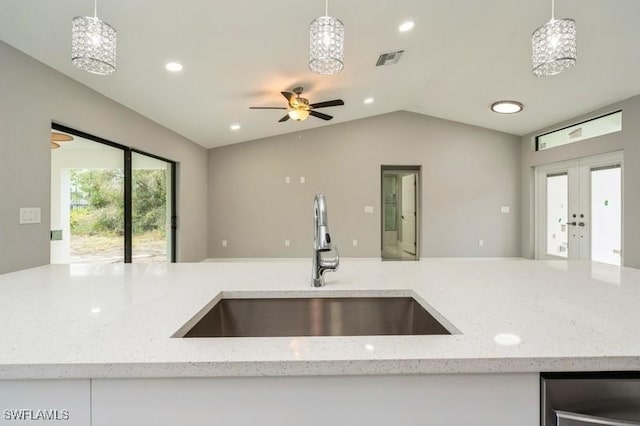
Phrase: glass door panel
[150,209]
[606,214]
[579,209]
[557,214]
[87,202]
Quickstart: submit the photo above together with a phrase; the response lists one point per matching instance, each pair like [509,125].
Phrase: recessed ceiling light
[368,101]
[235,127]
[173,67]
[406,26]
[506,107]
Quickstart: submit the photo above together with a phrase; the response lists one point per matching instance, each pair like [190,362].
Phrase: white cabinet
[44,402]
[443,400]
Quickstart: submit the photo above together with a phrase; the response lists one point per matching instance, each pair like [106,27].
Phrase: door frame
[576,168]
[128,189]
[417,169]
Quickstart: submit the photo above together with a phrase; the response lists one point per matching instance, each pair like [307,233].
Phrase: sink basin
[316,316]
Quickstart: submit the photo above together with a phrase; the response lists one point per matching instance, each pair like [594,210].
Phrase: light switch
[287,243]
[481,243]
[29,215]
[303,179]
[368,209]
[505,209]
[287,179]
[224,243]
[355,243]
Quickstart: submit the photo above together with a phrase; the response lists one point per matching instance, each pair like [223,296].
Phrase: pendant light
[93,44]
[554,46]
[326,44]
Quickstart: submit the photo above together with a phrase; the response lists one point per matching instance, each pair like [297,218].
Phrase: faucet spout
[322,242]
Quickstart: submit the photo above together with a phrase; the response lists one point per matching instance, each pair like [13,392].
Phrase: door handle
[571,223]
[581,223]
[568,418]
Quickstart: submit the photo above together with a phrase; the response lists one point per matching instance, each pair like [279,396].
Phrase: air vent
[389,58]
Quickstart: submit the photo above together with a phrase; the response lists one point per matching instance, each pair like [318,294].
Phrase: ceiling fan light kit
[299,114]
[326,44]
[299,108]
[554,46]
[93,44]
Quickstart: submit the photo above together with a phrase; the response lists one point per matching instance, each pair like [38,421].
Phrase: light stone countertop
[79,321]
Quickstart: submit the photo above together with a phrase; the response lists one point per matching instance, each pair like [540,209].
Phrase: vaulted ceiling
[460,57]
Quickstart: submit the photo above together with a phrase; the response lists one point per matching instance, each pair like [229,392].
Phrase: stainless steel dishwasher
[583,399]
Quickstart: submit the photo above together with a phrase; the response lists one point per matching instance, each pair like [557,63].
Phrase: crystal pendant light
[554,46]
[326,44]
[93,44]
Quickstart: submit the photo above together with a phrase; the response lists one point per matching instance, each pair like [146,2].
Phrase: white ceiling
[461,56]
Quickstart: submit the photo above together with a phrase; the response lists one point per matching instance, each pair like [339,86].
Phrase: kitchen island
[109,328]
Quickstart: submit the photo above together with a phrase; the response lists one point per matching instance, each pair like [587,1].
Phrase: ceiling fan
[300,109]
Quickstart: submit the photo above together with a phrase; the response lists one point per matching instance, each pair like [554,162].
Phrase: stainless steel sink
[316,316]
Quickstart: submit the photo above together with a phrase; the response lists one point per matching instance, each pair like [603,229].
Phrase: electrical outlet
[287,243]
[355,243]
[224,243]
[505,209]
[481,243]
[368,209]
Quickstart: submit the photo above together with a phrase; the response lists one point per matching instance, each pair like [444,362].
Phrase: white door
[579,209]
[409,213]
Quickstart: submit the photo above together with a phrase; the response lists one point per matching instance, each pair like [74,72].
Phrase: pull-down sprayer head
[321,237]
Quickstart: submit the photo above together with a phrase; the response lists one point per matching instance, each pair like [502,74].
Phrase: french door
[579,209]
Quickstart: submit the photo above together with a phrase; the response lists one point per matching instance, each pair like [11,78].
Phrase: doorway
[400,212]
[109,203]
[579,209]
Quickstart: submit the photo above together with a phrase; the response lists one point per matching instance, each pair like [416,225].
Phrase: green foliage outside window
[97,201]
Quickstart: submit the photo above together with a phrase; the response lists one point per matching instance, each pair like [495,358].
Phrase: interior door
[579,209]
[409,213]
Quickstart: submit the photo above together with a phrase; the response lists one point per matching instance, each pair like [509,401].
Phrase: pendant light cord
[326,8]
[95,8]
[553,7]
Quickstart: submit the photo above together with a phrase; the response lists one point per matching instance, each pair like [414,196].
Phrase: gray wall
[468,173]
[626,140]
[33,95]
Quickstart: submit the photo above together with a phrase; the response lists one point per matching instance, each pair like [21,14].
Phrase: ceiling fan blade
[283,119]
[288,95]
[267,108]
[335,102]
[320,115]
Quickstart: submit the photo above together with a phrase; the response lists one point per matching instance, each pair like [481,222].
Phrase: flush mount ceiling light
[368,101]
[506,107]
[406,26]
[326,44]
[93,44]
[554,46]
[173,67]
[235,127]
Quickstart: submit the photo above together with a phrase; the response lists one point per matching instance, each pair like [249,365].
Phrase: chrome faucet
[321,242]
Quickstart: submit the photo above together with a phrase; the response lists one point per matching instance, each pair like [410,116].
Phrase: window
[599,126]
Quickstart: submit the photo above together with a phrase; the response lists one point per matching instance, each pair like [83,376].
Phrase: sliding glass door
[151,209]
[109,203]
[87,202]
